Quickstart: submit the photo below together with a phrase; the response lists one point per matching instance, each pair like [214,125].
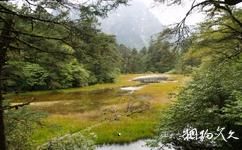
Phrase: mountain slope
[133,25]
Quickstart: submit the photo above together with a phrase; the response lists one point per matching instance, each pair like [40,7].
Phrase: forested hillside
[65,84]
[63,59]
[210,104]
[43,50]
[159,57]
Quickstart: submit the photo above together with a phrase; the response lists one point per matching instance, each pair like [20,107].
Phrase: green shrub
[19,126]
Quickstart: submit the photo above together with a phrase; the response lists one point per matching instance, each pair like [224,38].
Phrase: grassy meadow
[112,115]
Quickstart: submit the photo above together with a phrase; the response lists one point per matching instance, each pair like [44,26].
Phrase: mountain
[133,25]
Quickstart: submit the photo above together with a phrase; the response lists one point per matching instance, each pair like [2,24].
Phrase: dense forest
[43,48]
[73,60]
[212,99]
[52,64]
[159,57]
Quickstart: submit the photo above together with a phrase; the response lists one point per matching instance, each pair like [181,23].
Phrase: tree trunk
[5,40]
[2,134]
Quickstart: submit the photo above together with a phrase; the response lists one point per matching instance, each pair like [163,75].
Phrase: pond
[138,145]
[74,102]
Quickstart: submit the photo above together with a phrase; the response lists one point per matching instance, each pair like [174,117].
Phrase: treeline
[65,53]
[87,56]
[42,46]
[211,103]
[159,57]
[75,57]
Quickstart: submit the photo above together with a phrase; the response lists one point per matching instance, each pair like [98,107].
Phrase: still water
[138,145]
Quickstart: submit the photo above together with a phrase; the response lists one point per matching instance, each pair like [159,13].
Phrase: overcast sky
[168,15]
[173,14]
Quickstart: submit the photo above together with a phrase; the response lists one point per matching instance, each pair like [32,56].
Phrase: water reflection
[139,145]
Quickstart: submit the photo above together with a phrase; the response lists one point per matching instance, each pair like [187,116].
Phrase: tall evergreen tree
[20,31]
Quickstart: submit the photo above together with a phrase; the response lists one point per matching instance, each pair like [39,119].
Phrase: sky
[169,15]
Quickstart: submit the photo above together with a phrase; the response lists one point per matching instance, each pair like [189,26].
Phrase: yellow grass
[106,113]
